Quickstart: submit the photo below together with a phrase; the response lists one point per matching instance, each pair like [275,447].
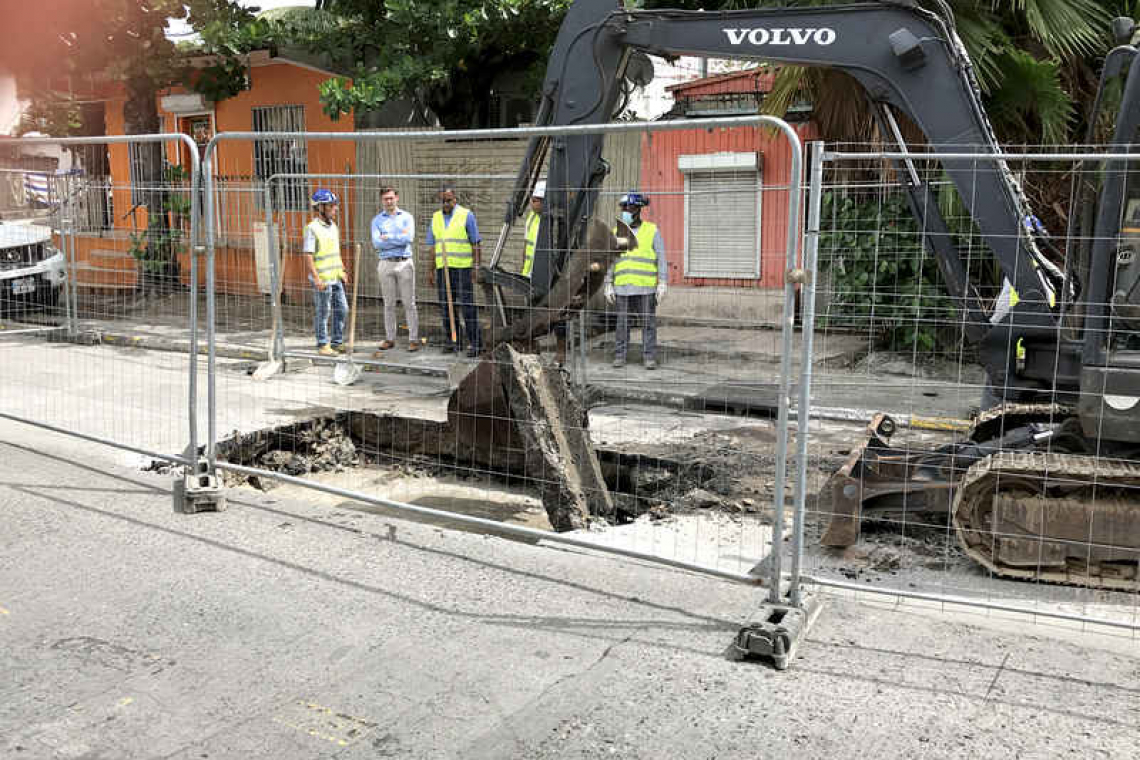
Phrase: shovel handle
[355,289]
[447,289]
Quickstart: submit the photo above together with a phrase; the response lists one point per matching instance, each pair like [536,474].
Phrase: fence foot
[198,491]
[776,632]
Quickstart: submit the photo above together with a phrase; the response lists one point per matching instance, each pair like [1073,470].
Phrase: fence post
[199,490]
[807,328]
[68,249]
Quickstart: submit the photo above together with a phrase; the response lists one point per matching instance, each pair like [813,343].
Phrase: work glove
[609,293]
[661,288]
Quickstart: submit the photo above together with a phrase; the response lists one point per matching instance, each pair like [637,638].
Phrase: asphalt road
[287,629]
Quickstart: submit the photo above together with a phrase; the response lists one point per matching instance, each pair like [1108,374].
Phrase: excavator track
[1054,517]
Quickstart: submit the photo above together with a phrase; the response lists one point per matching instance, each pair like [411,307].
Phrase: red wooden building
[720,197]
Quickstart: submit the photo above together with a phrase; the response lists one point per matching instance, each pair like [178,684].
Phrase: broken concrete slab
[555,428]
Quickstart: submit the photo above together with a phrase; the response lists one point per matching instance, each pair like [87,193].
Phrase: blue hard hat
[323,196]
[633,198]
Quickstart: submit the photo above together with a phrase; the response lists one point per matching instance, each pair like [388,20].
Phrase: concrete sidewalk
[281,629]
[701,368]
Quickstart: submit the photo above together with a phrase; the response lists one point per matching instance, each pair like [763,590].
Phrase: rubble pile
[319,445]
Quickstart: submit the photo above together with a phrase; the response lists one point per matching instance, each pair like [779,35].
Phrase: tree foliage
[882,281]
[122,40]
[444,55]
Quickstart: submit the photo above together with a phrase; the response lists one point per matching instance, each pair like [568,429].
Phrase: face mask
[627,217]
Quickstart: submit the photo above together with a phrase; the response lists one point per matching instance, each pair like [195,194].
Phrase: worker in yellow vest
[530,240]
[326,271]
[454,234]
[636,282]
[530,237]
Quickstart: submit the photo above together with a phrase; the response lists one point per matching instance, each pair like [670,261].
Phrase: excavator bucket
[582,275]
[879,481]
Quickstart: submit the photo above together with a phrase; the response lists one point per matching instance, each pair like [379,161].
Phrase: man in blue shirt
[453,236]
[393,231]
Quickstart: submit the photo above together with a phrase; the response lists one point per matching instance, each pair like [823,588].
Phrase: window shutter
[722,211]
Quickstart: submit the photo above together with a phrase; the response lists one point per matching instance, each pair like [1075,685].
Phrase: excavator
[1043,487]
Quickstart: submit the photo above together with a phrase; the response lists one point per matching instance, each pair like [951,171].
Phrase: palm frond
[986,41]
[1031,102]
[1065,28]
[1068,27]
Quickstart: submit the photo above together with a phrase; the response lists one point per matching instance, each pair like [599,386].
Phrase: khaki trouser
[398,279]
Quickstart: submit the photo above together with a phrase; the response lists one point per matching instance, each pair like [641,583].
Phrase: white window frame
[706,163]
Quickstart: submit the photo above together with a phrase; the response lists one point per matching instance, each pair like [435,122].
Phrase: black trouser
[463,295]
[643,309]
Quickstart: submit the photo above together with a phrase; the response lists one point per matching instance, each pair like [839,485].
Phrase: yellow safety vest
[459,248]
[531,239]
[326,258]
[639,266]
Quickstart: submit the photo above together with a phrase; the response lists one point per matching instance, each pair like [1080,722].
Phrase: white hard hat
[539,189]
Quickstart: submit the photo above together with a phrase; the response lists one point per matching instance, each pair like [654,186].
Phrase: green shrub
[882,280]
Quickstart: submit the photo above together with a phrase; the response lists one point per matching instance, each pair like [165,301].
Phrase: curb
[617,394]
[609,393]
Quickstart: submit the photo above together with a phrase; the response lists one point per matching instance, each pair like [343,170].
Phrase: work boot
[619,362]
[325,350]
[339,348]
[651,364]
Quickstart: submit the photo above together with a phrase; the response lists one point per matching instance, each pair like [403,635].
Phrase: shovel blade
[267,369]
[346,373]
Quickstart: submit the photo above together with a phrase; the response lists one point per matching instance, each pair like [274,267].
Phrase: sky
[178,30]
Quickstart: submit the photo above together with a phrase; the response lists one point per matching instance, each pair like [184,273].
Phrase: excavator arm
[1018,462]
[908,60]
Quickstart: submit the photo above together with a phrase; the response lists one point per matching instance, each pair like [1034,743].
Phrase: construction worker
[636,281]
[393,231]
[531,227]
[454,238]
[326,271]
[530,240]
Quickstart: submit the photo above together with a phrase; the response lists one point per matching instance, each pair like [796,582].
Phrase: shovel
[346,371]
[447,288]
[274,362]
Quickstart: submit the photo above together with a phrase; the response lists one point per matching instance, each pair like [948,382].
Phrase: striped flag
[37,188]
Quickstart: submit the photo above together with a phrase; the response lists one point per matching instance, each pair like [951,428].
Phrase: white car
[32,270]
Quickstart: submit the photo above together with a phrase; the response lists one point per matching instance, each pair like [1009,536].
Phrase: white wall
[652,101]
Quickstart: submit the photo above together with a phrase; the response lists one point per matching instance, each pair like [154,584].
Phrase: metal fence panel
[669,442]
[951,476]
[87,277]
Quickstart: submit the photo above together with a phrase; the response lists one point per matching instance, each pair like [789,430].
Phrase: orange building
[281,96]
